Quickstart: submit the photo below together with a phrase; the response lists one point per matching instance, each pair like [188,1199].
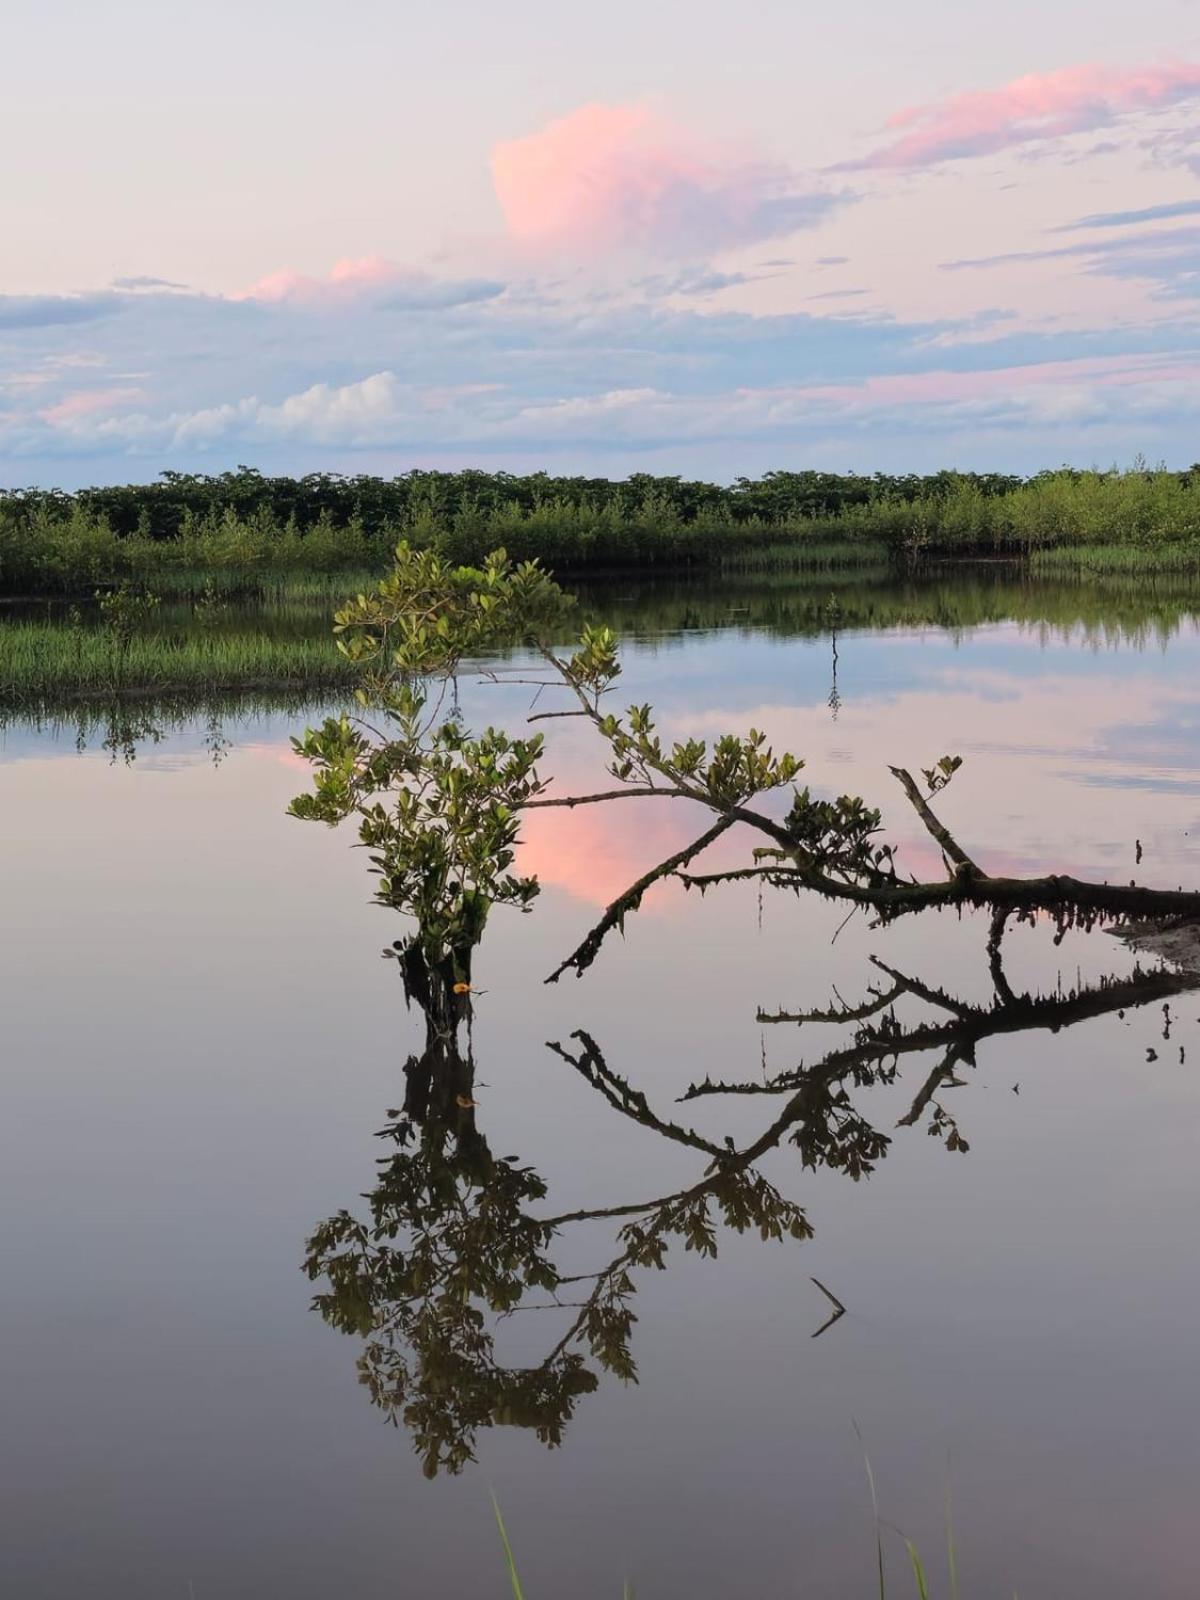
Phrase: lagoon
[202,1042]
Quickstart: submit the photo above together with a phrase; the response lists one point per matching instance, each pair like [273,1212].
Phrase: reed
[57,662]
[921,1581]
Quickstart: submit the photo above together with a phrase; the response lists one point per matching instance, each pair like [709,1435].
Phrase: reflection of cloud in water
[1048,761]
[596,852]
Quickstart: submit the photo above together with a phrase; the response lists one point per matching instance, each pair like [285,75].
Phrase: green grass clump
[1103,560]
[44,662]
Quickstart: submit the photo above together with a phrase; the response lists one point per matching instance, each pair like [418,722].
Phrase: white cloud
[193,381]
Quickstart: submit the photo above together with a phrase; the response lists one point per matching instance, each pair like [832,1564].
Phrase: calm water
[201,1042]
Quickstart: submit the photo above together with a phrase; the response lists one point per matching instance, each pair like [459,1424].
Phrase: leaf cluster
[835,838]
[437,812]
[425,616]
[733,771]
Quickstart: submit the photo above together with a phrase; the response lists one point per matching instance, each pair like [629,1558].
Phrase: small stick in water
[839,1309]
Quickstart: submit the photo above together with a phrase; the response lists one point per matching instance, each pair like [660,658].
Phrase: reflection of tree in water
[457,1239]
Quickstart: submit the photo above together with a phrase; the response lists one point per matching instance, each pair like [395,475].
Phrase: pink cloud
[344,277]
[384,282]
[596,852]
[1046,105]
[86,403]
[622,177]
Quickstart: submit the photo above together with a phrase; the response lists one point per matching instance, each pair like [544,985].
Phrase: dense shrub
[241,529]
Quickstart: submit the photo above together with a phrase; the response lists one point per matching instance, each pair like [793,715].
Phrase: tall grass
[511,1562]
[921,1580]
[46,662]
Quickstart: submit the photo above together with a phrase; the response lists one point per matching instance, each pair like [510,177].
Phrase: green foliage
[834,838]
[443,843]
[124,610]
[216,641]
[248,532]
[937,777]
[425,615]
[436,808]
[735,770]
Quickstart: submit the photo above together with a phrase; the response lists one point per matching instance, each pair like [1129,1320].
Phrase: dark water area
[201,1044]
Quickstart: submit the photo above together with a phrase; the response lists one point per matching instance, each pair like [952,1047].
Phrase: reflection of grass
[124,725]
[1103,559]
[208,645]
[1117,604]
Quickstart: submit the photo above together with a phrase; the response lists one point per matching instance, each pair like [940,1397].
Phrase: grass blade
[513,1577]
[875,1509]
[951,1554]
[918,1569]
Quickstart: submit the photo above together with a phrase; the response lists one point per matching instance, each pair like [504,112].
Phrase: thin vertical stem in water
[513,1577]
[918,1569]
[951,1556]
[875,1511]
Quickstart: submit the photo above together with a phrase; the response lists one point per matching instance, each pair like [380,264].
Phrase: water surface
[201,1042]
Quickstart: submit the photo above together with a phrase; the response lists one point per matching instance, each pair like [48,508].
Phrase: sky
[696,239]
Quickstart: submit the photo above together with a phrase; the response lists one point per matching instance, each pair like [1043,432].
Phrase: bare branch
[925,991]
[995,958]
[943,1071]
[621,1094]
[1057,893]
[880,1000]
[608,794]
[614,916]
[950,846]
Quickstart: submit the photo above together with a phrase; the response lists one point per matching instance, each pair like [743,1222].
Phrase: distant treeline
[238,528]
[162,509]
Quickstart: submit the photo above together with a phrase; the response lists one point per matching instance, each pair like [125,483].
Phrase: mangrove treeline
[239,529]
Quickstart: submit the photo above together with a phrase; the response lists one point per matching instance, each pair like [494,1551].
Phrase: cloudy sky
[698,238]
